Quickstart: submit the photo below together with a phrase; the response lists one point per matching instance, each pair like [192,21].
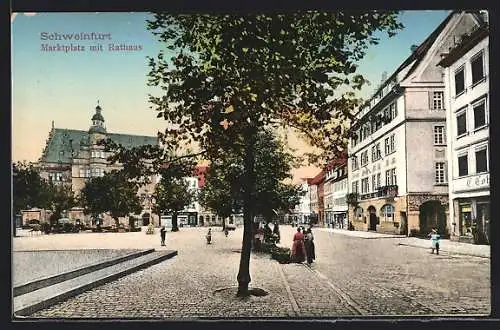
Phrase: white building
[397,153]
[335,196]
[302,211]
[467,94]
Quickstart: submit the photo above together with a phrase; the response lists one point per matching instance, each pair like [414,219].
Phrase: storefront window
[466,219]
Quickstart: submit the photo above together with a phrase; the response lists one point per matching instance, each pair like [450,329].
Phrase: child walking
[435,237]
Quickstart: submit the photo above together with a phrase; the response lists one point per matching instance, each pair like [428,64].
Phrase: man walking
[163,233]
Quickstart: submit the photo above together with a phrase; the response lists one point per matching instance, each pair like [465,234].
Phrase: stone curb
[51,280]
[30,308]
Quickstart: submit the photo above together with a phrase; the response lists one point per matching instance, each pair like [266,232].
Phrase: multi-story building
[302,211]
[398,144]
[335,194]
[467,95]
[317,189]
[71,157]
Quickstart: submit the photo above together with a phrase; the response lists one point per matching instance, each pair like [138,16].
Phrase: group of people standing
[303,246]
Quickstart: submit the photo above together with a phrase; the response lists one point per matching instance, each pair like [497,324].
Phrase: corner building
[397,159]
[467,94]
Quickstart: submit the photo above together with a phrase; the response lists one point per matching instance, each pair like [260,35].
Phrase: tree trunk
[248,195]
[117,222]
[175,226]
[223,224]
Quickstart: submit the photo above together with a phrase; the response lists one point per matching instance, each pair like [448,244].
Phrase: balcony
[352,198]
[388,192]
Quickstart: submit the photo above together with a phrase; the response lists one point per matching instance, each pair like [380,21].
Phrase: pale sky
[64,86]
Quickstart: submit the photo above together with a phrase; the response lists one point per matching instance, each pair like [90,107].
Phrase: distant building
[302,211]
[335,194]
[317,188]
[397,152]
[467,93]
[71,157]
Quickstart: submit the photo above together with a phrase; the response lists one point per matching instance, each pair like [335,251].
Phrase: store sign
[478,181]
[481,181]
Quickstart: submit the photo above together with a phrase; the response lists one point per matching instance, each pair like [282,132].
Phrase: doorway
[145,219]
[373,218]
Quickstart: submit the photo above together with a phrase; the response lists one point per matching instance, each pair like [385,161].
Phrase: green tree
[28,188]
[112,193]
[233,74]
[31,190]
[172,194]
[61,198]
[223,190]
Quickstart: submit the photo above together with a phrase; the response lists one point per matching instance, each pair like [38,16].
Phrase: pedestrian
[209,236]
[298,250]
[309,246]
[276,232]
[226,231]
[163,233]
[435,237]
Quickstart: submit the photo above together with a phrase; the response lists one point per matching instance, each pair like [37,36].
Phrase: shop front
[474,220]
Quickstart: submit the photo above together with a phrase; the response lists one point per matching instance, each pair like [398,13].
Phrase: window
[365,186]
[459,81]
[378,180]
[364,158]
[374,181]
[437,100]
[393,112]
[477,68]
[355,187]
[440,172]
[390,177]
[376,154]
[463,166]
[393,176]
[439,137]
[389,145]
[479,114]
[481,161]
[358,212]
[387,212]
[461,123]
[355,164]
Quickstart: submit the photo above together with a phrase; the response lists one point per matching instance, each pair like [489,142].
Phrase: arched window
[387,213]
[358,212]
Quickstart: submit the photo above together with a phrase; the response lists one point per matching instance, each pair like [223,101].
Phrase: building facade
[317,201]
[302,211]
[397,151]
[71,157]
[467,94]
[335,196]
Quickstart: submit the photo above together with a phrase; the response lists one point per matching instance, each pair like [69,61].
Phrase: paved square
[351,277]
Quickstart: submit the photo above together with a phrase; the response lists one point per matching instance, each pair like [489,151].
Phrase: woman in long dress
[298,249]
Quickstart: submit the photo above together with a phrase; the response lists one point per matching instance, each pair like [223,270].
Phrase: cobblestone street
[351,277]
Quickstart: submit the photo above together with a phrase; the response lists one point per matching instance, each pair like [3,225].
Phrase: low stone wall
[360,225]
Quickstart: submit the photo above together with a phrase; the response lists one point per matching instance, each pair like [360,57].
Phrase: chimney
[413,48]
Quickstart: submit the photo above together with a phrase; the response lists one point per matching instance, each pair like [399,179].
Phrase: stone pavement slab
[28,266]
[35,300]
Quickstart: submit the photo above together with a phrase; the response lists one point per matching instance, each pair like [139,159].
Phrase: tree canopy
[229,76]
[172,194]
[229,71]
[112,193]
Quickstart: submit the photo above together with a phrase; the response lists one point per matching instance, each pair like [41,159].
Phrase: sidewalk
[360,234]
[446,245]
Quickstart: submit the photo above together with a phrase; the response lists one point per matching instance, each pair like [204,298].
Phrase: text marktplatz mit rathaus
[75,36]
[82,48]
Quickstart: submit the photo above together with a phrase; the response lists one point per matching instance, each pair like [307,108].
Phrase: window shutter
[431,95]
